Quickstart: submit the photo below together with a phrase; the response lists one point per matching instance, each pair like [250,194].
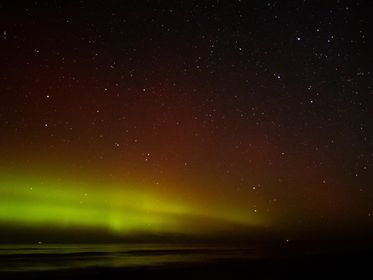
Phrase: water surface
[43,257]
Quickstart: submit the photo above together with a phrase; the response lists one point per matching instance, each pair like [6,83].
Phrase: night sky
[186,117]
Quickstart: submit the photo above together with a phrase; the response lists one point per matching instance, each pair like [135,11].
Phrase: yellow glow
[120,208]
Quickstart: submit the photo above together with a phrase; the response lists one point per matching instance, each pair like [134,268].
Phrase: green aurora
[35,201]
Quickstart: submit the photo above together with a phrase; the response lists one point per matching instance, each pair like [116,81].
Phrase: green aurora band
[34,201]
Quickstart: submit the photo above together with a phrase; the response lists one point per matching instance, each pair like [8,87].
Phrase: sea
[48,257]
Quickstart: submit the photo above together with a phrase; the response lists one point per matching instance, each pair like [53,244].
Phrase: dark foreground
[183,263]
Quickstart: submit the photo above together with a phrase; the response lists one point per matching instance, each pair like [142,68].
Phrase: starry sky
[186,117]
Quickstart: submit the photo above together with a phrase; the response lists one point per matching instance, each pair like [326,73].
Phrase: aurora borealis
[186,117]
[121,210]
